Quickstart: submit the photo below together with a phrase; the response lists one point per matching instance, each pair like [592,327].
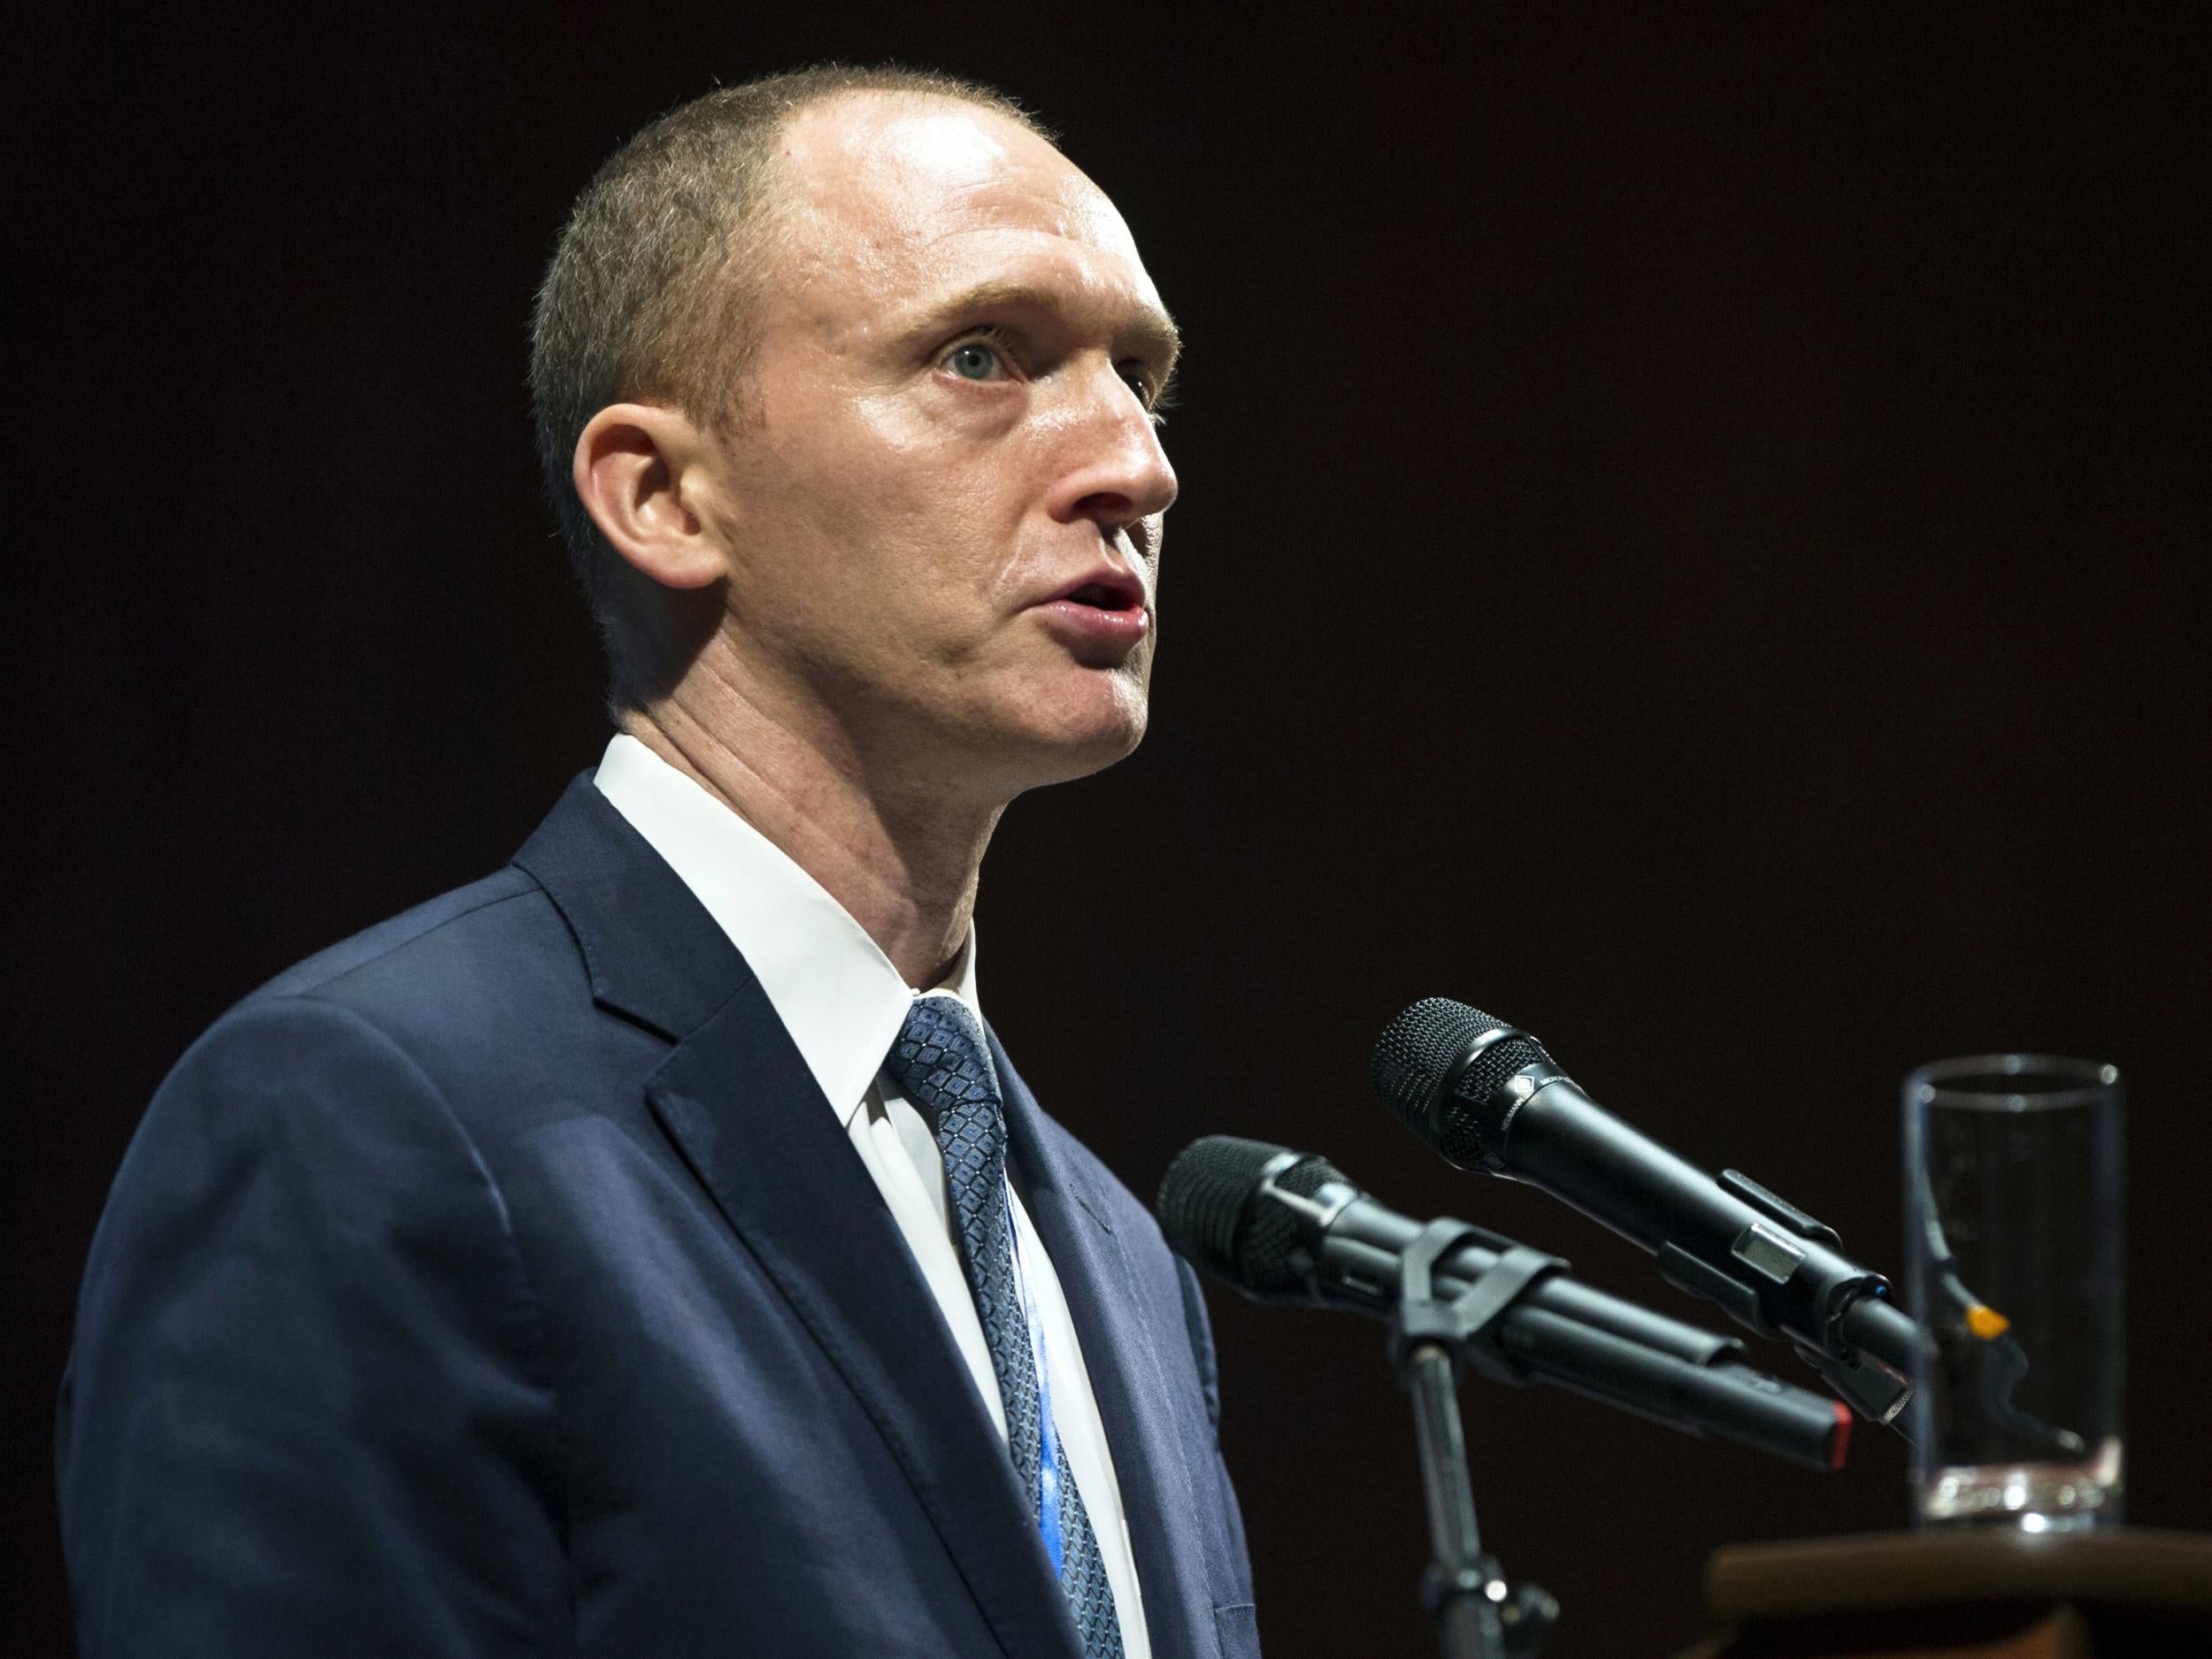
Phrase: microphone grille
[1416,1056]
[1205,1208]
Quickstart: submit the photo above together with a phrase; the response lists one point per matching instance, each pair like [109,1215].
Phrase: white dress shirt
[844,1004]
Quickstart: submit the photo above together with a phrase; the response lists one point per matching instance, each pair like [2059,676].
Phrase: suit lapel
[1127,1373]
[737,1098]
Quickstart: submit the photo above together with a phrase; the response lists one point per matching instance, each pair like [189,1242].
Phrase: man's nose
[1119,472]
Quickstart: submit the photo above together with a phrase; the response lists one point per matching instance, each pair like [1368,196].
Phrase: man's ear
[642,473]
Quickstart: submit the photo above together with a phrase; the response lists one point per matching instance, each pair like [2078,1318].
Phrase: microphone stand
[1477,1614]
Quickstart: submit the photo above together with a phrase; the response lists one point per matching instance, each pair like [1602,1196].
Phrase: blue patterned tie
[941,1062]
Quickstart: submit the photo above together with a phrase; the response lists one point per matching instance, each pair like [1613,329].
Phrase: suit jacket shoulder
[476,987]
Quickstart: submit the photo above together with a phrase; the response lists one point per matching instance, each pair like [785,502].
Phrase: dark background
[1691,538]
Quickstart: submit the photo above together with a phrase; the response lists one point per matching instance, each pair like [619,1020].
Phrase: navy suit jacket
[499,1281]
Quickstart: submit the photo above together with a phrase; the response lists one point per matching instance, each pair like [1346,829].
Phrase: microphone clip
[1477,1614]
[1465,1327]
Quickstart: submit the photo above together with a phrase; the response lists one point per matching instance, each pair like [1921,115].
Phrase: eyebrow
[1148,330]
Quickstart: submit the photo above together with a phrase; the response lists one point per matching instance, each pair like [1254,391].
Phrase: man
[648,1249]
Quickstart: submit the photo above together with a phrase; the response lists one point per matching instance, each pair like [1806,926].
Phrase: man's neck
[904,868]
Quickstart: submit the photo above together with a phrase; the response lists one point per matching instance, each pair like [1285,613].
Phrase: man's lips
[1102,613]
[1108,587]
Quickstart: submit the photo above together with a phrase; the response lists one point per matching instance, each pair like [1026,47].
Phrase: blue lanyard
[1048,1436]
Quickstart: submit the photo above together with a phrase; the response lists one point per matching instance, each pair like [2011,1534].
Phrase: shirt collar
[835,991]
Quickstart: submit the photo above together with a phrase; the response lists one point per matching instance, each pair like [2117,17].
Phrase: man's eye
[1156,399]
[975,360]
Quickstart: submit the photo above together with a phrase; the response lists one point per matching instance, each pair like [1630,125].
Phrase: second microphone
[1283,1227]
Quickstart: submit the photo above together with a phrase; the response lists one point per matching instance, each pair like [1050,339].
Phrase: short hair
[652,293]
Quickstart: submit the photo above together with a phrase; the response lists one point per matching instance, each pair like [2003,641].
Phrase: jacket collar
[835,991]
[653,954]
[741,1106]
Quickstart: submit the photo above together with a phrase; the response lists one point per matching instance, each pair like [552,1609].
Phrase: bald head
[928,554]
[881,149]
[653,292]
[879,200]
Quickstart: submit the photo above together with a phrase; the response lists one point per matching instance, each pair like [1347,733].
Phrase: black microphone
[1284,1226]
[1488,1097]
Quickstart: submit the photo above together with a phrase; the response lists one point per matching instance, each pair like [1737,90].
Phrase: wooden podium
[1995,1594]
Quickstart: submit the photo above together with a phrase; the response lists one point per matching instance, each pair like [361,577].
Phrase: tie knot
[941,1059]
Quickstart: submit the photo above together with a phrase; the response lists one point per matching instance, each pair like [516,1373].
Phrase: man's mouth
[1109,595]
[1117,590]
[1103,618]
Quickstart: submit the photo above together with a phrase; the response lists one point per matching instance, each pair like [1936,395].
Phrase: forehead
[897,199]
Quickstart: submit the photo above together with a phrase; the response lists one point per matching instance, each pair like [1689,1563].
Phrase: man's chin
[1074,736]
[1078,754]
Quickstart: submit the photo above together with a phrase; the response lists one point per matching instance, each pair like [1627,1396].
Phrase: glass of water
[2013,1177]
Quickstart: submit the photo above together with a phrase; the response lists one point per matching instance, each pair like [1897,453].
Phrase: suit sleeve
[307,1412]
